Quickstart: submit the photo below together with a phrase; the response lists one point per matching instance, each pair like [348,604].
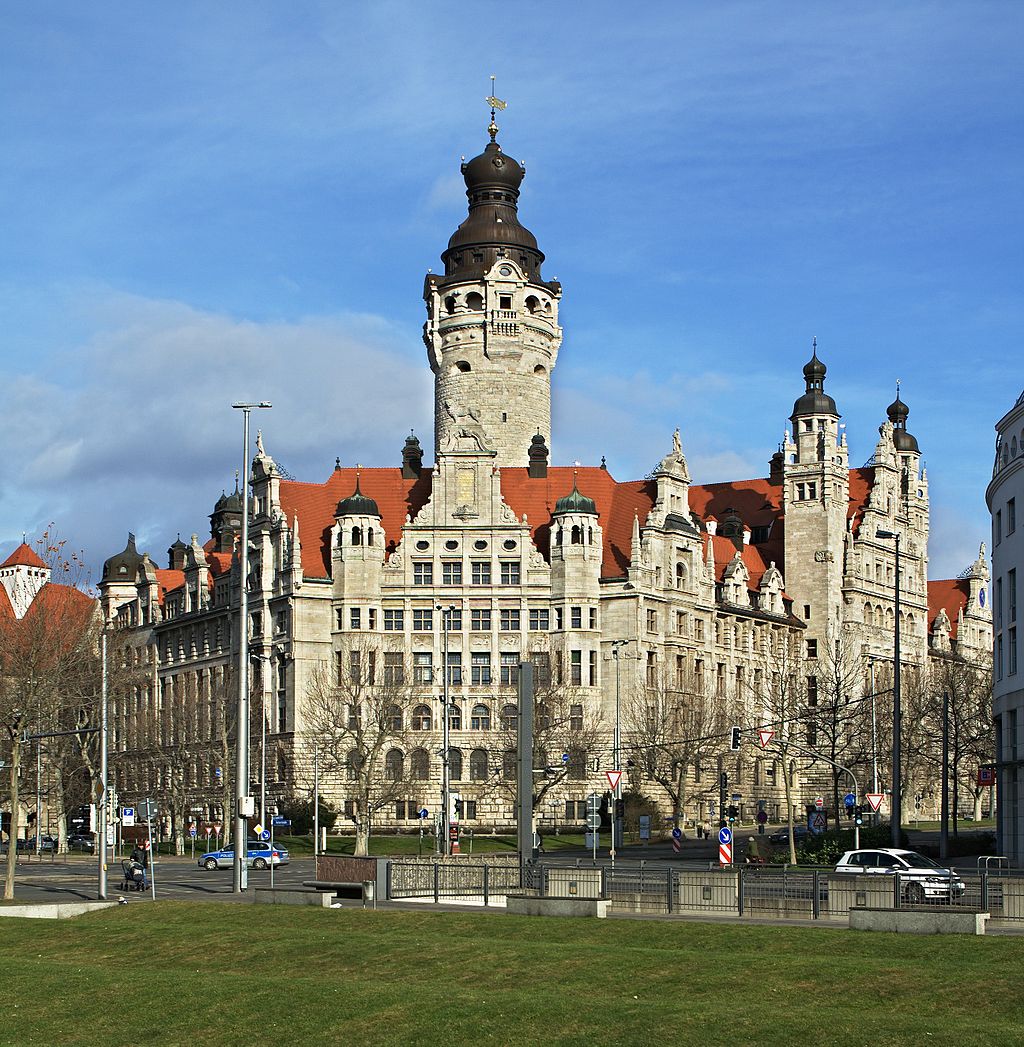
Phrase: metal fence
[784,892]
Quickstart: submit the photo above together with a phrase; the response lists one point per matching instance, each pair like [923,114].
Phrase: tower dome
[124,565]
[575,503]
[357,504]
[814,400]
[901,439]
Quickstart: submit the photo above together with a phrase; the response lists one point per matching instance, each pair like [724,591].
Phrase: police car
[258,855]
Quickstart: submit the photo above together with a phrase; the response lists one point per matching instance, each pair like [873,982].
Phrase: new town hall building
[659,591]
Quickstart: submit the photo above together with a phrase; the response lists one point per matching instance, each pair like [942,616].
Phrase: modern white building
[1005,495]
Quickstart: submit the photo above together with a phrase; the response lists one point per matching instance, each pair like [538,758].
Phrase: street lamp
[897,777]
[617,756]
[445,848]
[243,802]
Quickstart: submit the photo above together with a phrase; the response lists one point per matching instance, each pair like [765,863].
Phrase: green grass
[180,973]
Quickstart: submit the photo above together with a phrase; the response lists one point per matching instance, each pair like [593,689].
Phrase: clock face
[981,597]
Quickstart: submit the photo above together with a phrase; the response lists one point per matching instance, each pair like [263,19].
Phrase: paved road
[177,878]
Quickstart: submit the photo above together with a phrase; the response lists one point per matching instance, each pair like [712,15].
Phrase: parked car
[81,842]
[258,855]
[48,845]
[800,832]
[921,877]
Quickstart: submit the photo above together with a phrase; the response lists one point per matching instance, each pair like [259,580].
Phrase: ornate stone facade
[687,607]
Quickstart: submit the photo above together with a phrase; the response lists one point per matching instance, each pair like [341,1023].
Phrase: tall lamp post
[243,801]
[446,620]
[897,776]
[101,871]
[617,755]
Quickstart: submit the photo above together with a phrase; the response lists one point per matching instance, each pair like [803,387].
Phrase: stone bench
[292,896]
[941,920]
[342,888]
[534,905]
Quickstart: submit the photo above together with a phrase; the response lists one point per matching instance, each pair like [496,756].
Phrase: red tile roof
[23,556]
[6,608]
[167,581]
[950,595]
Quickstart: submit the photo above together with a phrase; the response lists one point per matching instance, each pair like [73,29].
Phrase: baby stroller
[133,877]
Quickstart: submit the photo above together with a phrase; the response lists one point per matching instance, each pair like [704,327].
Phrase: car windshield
[918,861]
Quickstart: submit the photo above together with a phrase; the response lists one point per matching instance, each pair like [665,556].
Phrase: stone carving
[824,556]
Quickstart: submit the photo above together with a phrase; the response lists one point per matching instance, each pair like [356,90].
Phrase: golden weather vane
[496,104]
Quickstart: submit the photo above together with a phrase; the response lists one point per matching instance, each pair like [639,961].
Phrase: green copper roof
[357,504]
[575,503]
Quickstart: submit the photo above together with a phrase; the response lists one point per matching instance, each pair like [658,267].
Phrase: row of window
[1010,519]
[416,765]
[481,619]
[1005,615]
[361,668]
[510,572]
[421,718]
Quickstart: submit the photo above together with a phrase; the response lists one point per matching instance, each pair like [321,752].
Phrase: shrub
[300,811]
[828,848]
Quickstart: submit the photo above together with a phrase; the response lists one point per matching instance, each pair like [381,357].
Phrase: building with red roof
[694,607]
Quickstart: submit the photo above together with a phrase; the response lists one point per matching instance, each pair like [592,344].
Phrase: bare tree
[357,710]
[675,726]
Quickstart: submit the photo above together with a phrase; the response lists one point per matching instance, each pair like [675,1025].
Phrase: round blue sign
[677,833]
[725,834]
[193,831]
[265,835]
[849,800]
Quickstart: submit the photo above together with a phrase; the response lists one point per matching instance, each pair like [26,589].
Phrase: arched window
[481,718]
[369,536]
[869,616]
[394,765]
[463,366]
[449,304]
[419,765]
[510,718]
[680,575]
[454,717]
[577,535]
[357,536]
[421,718]
[394,717]
[353,764]
[455,765]
[478,765]
[532,303]
[474,301]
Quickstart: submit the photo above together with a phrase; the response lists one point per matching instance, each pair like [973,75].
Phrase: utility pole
[101,850]
[445,820]
[524,786]
[944,823]
[243,801]
[617,791]
[896,803]
[316,798]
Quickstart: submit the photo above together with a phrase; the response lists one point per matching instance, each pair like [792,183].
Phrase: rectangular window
[451,572]
[480,619]
[575,810]
[1011,642]
[394,620]
[999,603]
[575,617]
[699,623]
[541,668]
[740,680]
[1011,516]
[1011,595]
[997,527]
[812,735]
[423,667]
[681,623]
[680,671]
[576,667]
[481,666]
[510,572]
[469,810]
[350,809]
[540,619]
[558,619]
[652,669]
[510,620]
[355,618]
[593,669]
[422,620]
[355,667]
[812,690]
[807,612]
[394,669]
[720,680]
[282,714]
[481,572]
[812,648]
[452,620]
[423,573]
[652,620]
[371,618]
[593,617]
[454,668]
[509,668]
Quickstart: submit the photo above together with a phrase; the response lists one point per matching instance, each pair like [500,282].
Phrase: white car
[920,876]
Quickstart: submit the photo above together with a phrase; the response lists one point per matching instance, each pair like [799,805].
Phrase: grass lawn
[181,973]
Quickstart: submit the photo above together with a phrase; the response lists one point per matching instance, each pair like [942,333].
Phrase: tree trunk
[362,848]
[57,798]
[12,836]
[789,809]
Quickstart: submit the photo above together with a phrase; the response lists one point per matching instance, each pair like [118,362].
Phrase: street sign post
[725,845]
[614,777]
[264,835]
[849,800]
[128,816]
[817,823]
[677,839]
[819,802]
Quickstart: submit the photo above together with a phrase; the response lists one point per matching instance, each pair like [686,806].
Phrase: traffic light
[454,807]
[620,808]
[735,742]
[733,813]
[858,815]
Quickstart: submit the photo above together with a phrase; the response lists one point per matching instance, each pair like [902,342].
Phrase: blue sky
[203,203]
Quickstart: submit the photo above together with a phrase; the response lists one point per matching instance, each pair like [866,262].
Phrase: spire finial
[814,346]
[496,104]
[897,388]
[237,474]
[337,462]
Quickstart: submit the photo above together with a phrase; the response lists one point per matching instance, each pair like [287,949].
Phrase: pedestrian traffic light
[735,743]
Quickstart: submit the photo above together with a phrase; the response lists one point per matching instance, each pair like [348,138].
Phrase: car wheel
[259,863]
[915,893]
[210,863]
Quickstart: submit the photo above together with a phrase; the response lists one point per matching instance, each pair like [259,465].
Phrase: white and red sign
[725,854]
[764,736]
[208,830]
[614,777]
[875,799]
[819,802]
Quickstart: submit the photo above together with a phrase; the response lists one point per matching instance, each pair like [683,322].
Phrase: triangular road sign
[875,799]
[614,777]
[764,736]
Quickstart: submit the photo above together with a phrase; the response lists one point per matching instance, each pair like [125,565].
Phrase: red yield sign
[764,736]
[875,799]
[614,777]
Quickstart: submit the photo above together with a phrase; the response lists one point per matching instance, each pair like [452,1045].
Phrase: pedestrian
[753,851]
[700,831]
[707,829]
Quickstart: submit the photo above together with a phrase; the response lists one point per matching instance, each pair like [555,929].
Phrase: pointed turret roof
[24,556]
